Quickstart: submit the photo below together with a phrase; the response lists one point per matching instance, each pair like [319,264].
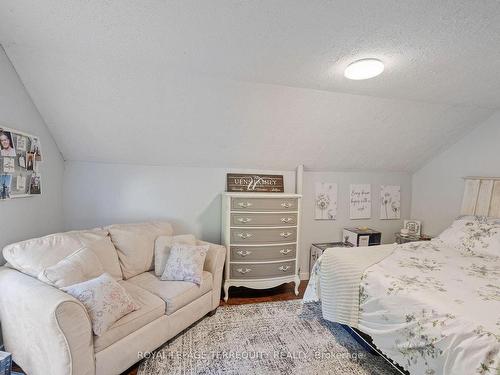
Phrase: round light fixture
[364,69]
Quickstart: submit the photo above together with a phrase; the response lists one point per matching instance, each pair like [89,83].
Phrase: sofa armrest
[46,330]
[214,263]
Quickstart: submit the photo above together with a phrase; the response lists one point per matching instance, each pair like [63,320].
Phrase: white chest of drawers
[261,233]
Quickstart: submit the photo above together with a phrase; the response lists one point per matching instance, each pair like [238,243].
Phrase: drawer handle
[284,268]
[285,234]
[285,251]
[243,271]
[244,220]
[286,219]
[243,253]
[286,204]
[245,204]
[244,236]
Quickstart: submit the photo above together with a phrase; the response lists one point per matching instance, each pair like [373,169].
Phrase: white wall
[331,230]
[98,194]
[29,217]
[438,186]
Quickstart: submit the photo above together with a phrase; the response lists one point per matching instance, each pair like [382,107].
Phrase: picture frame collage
[20,161]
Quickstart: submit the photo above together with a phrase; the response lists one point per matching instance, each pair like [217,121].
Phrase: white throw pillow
[473,235]
[105,299]
[34,255]
[185,263]
[80,266]
[163,245]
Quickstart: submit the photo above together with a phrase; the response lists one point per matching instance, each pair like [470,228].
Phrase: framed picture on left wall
[5,186]
[20,164]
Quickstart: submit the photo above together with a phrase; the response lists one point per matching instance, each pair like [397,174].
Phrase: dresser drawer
[267,235]
[262,253]
[264,204]
[264,220]
[262,270]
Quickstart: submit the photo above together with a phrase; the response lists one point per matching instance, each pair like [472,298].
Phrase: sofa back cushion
[35,255]
[76,268]
[135,245]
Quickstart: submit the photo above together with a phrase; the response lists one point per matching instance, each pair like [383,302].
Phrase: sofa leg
[212,313]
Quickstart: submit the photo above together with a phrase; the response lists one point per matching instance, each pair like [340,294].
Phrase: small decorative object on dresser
[362,236]
[401,238]
[261,233]
[318,248]
[255,183]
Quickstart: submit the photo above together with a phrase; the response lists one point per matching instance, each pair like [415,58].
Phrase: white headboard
[481,196]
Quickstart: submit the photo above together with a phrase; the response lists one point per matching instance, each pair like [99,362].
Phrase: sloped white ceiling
[256,84]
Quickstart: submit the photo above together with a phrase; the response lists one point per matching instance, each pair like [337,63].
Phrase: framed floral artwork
[325,201]
[390,202]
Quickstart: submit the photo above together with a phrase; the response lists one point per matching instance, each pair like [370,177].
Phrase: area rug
[265,338]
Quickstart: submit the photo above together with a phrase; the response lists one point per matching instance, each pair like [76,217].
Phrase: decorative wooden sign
[255,183]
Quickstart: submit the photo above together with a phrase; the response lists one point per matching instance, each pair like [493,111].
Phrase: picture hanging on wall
[20,159]
[5,182]
[390,202]
[325,199]
[360,201]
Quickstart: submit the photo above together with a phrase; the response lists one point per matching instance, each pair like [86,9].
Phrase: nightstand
[362,236]
[404,239]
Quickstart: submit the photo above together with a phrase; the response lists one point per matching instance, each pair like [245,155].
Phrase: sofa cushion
[34,255]
[152,308]
[80,266]
[135,245]
[163,245]
[176,294]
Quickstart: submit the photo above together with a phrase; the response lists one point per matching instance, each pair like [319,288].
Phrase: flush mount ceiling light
[364,69]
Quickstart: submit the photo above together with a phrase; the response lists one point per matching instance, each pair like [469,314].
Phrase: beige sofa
[49,331]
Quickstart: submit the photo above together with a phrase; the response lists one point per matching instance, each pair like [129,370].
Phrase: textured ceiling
[256,84]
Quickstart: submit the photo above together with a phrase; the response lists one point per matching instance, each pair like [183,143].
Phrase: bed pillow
[78,267]
[163,245]
[473,235]
[185,263]
[105,299]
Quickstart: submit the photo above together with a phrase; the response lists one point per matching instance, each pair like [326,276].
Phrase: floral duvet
[434,307]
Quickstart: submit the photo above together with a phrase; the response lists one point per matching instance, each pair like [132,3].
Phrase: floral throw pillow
[185,263]
[105,299]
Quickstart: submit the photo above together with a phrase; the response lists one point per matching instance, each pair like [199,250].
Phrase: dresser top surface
[261,195]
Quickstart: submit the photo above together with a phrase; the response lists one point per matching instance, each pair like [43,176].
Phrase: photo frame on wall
[390,202]
[360,201]
[20,161]
[325,201]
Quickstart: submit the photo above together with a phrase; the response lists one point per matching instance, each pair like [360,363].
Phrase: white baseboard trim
[304,275]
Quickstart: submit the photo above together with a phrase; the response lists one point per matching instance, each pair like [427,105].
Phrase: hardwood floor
[240,296]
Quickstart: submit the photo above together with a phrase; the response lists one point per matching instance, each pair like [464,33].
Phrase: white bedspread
[434,310]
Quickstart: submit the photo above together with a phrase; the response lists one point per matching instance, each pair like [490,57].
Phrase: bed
[432,307]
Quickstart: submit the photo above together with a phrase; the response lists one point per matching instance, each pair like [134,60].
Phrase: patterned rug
[264,338]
